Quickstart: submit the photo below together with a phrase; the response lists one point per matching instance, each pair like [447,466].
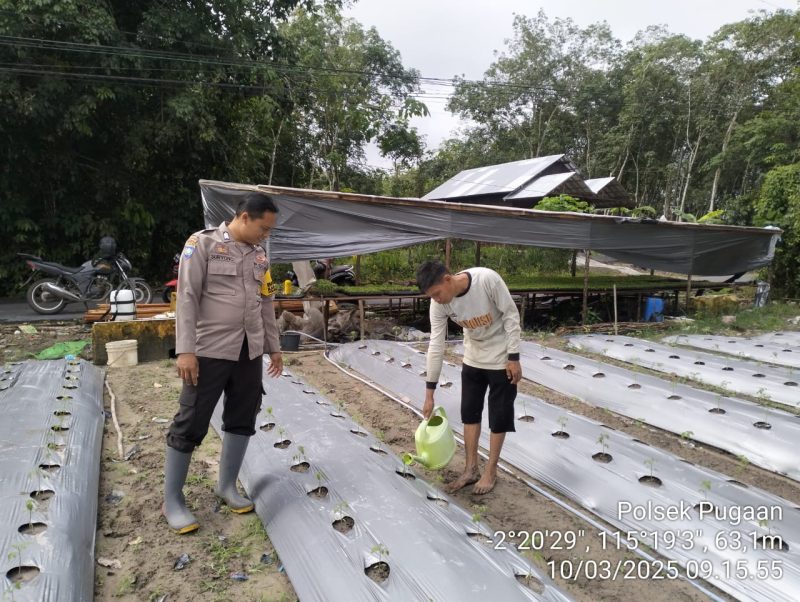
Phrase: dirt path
[132,531]
[512,506]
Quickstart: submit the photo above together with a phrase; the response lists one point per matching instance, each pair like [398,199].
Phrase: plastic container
[122,354]
[435,442]
[123,306]
[290,341]
[653,309]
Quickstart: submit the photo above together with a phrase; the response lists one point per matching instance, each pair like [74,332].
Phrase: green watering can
[435,442]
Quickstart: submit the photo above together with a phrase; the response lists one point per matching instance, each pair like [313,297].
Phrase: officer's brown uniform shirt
[225,291]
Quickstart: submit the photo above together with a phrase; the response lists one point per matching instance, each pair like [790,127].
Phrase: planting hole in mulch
[64,397]
[762,425]
[674,397]
[362,346]
[22,574]
[32,528]
[42,495]
[376,353]
[649,350]
[439,501]
[706,506]
[635,386]
[699,363]
[377,450]
[759,375]
[358,432]
[674,357]
[58,447]
[650,481]
[598,375]
[446,385]
[322,403]
[629,344]
[569,367]
[70,386]
[267,426]
[390,360]
[481,538]
[716,411]
[307,392]
[602,457]
[59,428]
[561,435]
[62,413]
[344,524]
[283,444]
[319,493]
[738,483]
[300,467]
[337,415]
[405,474]
[531,582]
[526,418]
[790,383]
[51,468]
[546,358]
[378,572]
[759,345]
[727,369]
[771,542]
[786,350]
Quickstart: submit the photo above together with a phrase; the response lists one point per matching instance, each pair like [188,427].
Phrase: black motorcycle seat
[60,267]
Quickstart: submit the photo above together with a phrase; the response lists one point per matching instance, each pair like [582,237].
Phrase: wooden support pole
[688,291]
[361,317]
[588,254]
[448,250]
[358,270]
[326,314]
[573,267]
[615,310]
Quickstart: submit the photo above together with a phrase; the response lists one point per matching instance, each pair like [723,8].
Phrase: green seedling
[705,488]
[650,463]
[743,461]
[31,506]
[381,551]
[479,513]
[602,441]
[562,420]
[687,435]
[340,509]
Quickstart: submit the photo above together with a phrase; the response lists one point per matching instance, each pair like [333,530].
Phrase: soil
[133,530]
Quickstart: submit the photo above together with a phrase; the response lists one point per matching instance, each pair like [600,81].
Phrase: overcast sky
[444,38]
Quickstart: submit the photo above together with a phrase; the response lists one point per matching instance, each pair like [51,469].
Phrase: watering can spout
[409,459]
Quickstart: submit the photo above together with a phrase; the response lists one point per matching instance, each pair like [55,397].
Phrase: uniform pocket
[221,278]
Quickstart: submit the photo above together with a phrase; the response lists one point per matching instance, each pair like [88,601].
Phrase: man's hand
[188,368]
[427,407]
[275,364]
[514,372]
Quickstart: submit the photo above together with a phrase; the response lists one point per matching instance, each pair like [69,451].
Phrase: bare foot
[467,478]
[485,485]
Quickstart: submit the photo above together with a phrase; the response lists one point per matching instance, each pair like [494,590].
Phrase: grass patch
[771,318]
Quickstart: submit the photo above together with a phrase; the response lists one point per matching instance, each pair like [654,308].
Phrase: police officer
[225,322]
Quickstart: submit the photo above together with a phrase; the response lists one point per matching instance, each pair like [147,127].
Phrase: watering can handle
[439,410]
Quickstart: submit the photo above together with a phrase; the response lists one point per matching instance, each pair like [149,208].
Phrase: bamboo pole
[688,291]
[615,310]
[448,250]
[361,317]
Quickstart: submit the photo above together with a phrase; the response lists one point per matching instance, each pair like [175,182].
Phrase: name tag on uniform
[226,258]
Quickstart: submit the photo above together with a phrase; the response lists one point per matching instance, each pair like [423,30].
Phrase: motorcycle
[343,275]
[92,281]
[172,285]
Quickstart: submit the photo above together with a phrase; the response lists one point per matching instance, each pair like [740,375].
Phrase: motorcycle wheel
[41,301]
[141,292]
[167,295]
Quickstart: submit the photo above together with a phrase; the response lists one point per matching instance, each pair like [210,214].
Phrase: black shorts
[474,382]
[241,382]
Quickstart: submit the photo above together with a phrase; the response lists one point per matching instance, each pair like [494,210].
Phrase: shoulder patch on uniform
[193,240]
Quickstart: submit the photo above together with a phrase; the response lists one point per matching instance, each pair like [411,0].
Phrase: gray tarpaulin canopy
[315,224]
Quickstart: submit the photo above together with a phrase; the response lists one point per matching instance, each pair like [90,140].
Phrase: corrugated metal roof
[559,183]
[597,184]
[494,179]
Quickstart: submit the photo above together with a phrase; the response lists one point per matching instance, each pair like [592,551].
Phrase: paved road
[15,310]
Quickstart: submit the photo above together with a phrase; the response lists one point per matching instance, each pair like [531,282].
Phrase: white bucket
[123,307]
[123,353]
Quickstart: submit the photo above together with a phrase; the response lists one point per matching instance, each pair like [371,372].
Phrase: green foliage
[563,202]
[779,205]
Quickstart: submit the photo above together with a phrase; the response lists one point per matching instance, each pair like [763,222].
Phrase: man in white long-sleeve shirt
[478,300]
